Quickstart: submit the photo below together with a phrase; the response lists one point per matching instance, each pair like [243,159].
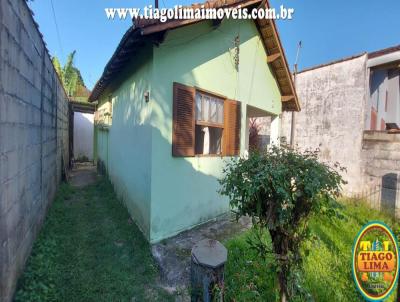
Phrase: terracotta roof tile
[145,30]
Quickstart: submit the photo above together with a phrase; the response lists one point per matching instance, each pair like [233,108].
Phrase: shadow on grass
[89,250]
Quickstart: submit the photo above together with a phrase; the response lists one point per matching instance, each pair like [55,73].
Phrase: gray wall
[381,156]
[33,137]
[333,99]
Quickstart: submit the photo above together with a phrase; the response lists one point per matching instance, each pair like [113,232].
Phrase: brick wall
[33,137]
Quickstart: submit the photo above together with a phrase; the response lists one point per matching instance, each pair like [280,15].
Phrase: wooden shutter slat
[232,116]
[183,139]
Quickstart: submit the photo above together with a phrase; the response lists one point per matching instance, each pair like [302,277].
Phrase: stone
[210,253]
[173,255]
[207,270]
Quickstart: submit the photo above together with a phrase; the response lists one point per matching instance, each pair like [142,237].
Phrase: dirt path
[82,175]
[89,249]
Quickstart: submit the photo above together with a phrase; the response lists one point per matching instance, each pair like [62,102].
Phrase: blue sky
[329,30]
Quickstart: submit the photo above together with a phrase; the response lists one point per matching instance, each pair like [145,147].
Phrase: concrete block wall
[33,138]
[380,155]
[332,99]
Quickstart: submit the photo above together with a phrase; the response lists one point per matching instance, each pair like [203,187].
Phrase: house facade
[349,107]
[178,109]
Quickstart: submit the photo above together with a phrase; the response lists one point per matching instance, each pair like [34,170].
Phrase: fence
[34,134]
[382,198]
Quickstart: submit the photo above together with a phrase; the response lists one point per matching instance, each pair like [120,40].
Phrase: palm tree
[57,67]
[69,75]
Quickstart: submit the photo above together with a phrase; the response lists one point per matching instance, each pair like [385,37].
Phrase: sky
[329,30]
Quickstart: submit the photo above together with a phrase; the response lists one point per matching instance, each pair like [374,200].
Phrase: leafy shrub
[281,188]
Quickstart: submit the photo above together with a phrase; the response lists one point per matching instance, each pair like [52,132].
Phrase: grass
[89,250]
[327,269]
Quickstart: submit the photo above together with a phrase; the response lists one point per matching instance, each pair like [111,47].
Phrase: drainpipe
[293,120]
[292,129]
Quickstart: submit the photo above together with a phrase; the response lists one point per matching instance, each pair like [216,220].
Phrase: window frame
[184,120]
[215,96]
[210,124]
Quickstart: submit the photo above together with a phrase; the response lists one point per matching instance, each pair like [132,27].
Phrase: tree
[281,188]
[57,67]
[70,76]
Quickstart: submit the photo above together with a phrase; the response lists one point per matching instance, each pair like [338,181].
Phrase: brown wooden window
[204,123]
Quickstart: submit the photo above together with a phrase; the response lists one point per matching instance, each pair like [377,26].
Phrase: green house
[174,104]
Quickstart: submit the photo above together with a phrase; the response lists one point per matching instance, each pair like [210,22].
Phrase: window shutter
[183,120]
[231,128]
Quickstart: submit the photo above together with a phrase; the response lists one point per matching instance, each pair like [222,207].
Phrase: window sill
[209,124]
[214,155]
[209,155]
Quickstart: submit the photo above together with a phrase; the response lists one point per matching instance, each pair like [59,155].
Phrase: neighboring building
[82,124]
[83,136]
[174,104]
[384,89]
[346,106]
[83,130]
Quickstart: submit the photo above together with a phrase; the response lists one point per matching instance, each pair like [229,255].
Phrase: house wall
[333,101]
[33,138]
[384,98]
[83,135]
[125,146]
[184,190]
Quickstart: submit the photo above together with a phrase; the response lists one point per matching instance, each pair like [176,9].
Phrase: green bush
[281,188]
[327,270]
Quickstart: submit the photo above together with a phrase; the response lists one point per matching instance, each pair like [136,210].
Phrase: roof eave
[282,74]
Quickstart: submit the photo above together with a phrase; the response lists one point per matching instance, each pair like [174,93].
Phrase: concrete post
[275,130]
[207,270]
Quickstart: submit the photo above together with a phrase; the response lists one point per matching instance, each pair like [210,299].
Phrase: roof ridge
[384,51]
[332,62]
[153,31]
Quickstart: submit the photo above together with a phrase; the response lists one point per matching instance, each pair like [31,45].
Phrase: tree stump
[207,271]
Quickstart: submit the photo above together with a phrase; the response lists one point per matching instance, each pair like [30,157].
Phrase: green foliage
[89,250]
[69,75]
[57,67]
[281,188]
[327,274]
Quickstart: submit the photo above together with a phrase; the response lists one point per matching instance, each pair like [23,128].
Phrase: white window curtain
[209,109]
[206,145]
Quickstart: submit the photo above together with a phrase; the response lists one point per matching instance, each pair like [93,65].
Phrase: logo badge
[375,261]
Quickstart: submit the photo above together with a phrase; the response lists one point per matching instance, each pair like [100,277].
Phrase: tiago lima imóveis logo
[375,261]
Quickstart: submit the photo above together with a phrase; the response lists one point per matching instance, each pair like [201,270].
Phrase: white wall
[83,135]
[333,100]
